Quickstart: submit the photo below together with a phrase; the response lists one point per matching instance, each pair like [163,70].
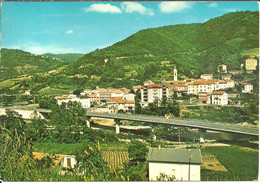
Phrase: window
[68,162]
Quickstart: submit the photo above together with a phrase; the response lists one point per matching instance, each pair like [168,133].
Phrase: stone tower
[175,74]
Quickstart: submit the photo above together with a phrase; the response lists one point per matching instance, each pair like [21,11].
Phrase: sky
[82,27]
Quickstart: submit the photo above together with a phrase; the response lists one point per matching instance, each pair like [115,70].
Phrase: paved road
[215,126]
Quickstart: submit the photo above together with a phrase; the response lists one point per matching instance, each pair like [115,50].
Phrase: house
[222,68]
[226,77]
[219,98]
[85,102]
[152,92]
[61,162]
[122,104]
[27,92]
[203,98]
[206,76]
[200,86]
[183,164]
[250,64]
[247,88]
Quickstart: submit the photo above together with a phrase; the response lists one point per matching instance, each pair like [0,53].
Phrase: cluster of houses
[106,100]
[207,89]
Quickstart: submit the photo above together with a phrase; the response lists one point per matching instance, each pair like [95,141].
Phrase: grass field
[52,91]
[241,163]
[252,52]
[10,82]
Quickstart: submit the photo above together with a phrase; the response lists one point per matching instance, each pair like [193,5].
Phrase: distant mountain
[152,53]
[66,56]
[17,62]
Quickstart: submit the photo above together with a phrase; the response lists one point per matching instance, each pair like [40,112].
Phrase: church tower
[175,74]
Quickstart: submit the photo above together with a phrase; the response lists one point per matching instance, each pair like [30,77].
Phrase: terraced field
[210,162]
[115,159]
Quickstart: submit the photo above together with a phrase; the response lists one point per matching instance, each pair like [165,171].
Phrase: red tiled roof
[207,75]
[115,99]
[137,87]
[229,80]
[181,85]
[126,102]
[155,86]
[218,93]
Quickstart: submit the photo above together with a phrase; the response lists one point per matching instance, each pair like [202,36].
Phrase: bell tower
[175,74]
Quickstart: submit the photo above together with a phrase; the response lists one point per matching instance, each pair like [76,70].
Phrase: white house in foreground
[183,164]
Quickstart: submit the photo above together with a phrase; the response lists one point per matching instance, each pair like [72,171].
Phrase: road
[215,126]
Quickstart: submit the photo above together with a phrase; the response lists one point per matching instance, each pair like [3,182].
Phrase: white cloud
[213,5]
[174,6]
[131,7]
[229,10]
[69,32]
[102,8]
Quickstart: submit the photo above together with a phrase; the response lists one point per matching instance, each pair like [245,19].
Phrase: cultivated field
[115,159]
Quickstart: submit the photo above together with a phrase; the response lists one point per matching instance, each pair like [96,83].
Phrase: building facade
[153,92]
[183,164]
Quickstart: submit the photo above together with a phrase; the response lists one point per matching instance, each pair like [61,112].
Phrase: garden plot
[115,159]
[211,162]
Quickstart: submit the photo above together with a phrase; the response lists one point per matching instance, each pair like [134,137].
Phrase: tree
[36,130]
[46,102]
[68,120]
[137,151]
[13,122]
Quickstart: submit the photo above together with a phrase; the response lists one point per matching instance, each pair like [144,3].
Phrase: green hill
[152,53]
[66,56]
[17,62]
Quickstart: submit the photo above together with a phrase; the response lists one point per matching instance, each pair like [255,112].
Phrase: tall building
[175,74]
[152,92]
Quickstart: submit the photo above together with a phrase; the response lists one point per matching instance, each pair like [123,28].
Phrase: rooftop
[174,155]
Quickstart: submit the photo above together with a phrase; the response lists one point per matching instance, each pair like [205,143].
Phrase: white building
[183,164]
[206,76]
[27,92]
[85,102]
[222,68]
[152,92]
[247,88]
[200,86]
[68,161]
[121,104]
[219,98]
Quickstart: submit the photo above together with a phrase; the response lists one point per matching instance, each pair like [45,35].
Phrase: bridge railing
[159,117]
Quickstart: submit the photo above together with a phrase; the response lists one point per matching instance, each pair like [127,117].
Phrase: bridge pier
[117,121]
[88,122]
[202,135]
[154,136]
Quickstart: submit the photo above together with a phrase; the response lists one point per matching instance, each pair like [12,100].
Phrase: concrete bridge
[203,126]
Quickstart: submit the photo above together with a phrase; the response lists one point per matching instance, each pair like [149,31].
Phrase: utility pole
[189,157]
[179,135]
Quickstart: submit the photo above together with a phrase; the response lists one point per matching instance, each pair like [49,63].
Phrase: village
[206,90]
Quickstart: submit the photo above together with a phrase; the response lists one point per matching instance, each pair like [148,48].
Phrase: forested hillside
[18,62]
[152,53]
[66,56]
